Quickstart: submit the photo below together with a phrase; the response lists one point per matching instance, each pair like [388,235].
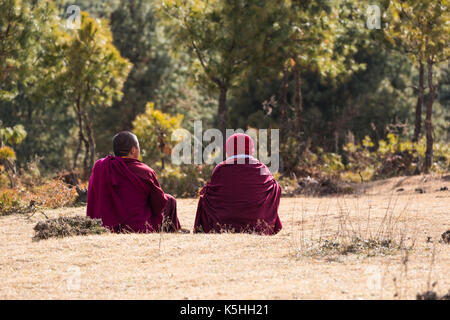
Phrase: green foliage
[7,153]
[98,9]
[184,181]
[31,51]
[325,26]
[160,73]
[224,37]
[93,78]
[420,28]
[220,35]
[16,46]
[13,136]
[9,203]
[72,90]
[135,34]
[394,156]
[95,70]
[367,161]
[154,129]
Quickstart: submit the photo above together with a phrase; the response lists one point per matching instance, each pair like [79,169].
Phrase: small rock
[446,236]
[419,190]
[400,190]
[444,189]
[82,194]
[431,295]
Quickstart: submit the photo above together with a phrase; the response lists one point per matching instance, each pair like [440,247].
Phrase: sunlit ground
[237,266]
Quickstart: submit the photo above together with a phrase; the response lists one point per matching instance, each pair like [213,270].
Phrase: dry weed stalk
[354,230]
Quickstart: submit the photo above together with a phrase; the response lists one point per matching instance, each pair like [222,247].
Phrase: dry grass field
[291,265]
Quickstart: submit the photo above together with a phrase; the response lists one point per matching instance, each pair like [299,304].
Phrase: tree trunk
[222,111]
[298,106]
[418,123]
[284,105]
[11,173]
[298,102]
[428,123]
[86,157]
[90,146]
[81,137]
[336,140]
[162,145]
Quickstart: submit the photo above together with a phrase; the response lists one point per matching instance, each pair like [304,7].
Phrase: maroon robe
[239,198]
[125,194]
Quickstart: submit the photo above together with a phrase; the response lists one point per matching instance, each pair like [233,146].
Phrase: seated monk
[242,195]
[125,193]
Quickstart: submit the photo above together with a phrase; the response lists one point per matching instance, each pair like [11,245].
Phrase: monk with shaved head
[126,195]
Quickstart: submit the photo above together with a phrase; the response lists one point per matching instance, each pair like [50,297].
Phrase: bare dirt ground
[239,266]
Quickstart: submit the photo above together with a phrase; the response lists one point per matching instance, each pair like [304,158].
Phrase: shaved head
[123,142]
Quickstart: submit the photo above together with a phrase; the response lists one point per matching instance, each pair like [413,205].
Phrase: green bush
[9,203]
[184,181]
[393,157]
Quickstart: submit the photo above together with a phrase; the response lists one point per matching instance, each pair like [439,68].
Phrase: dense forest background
[350,101]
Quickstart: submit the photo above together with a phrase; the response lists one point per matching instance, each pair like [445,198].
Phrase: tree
[93,79]
[154,129]
[10,137]
[224,37]
[30,61]
[424,26]
[96,8]
[321,37]
[22,25]
[135,35]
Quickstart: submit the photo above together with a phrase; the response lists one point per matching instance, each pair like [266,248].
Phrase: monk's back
[119,191]
[242,183]
[239,198]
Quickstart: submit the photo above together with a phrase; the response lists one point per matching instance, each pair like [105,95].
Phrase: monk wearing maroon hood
[125,193]
[242,195]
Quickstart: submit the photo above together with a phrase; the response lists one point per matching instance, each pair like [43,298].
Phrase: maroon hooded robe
[239,198]
[125,194]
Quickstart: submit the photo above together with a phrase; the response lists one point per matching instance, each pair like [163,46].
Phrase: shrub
[355,245]
[53,194]
[289,185]
[393,157]
[31,175]
[155,129]
[184,181]
[68,226]
[10,136]
[322,173]
[9,203]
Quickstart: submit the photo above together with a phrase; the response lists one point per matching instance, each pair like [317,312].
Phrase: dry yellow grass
[238,266]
